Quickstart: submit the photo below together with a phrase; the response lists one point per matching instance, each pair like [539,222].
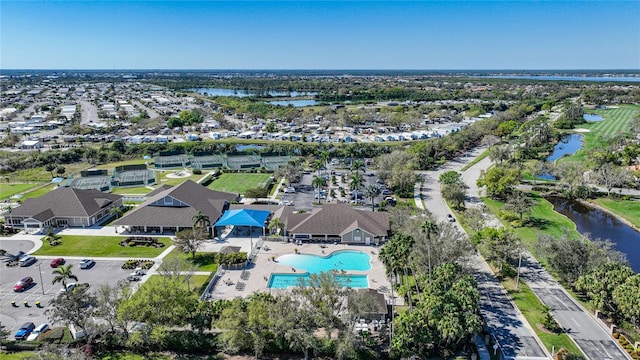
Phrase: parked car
[38,331]
[450,218]
[134,277]
[24,331]
[70,287]
[86,263]
[27,260]
[57,262]
[23,284]
[290,190]
[387,192]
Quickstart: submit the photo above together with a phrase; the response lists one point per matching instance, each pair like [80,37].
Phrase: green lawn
[197,283]
[616,121]
[100,246]
[475,161]
[204,260]
[163,179]
[8,190]
[39,192]
[132,190]
[545,219]
[531,308]
[627,209]
[239,183]
[40,175]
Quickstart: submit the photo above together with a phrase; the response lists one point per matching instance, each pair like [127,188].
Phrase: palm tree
[201,220]
[356,182]
[62,274]
[317,165]
[117,212]
[429,228]
[372,191]
[276,223]
[317,183]
[356,166]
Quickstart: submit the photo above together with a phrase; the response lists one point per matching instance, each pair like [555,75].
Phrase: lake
[592,117]
[568,145]
[294,103]
[247,93]
[602,225]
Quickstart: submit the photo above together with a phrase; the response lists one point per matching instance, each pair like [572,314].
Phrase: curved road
[587,332]
[505,322]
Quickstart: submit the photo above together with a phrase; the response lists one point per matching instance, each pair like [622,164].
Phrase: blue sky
[319,35]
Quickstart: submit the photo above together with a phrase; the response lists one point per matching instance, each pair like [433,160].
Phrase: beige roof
[195,196]
[66,202]
[337,219]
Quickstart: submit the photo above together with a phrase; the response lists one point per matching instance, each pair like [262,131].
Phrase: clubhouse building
[62,207]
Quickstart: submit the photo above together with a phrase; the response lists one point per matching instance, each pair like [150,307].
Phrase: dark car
[87,263]
[23,284]
[24,331]
[57,262]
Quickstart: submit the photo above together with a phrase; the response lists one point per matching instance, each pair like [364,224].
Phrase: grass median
[100,246]
[532,309]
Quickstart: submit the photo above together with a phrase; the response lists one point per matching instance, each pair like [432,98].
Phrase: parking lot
[42,289]
[303,198]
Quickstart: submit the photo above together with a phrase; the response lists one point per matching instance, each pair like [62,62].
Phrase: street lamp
[519,263]
[41,283]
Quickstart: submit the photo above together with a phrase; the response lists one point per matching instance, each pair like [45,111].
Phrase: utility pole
[41,283]
[519,263]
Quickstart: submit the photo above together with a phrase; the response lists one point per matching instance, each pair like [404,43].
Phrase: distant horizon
[320,35]
[636,70]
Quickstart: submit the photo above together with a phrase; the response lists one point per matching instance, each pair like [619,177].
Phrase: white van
[26,260]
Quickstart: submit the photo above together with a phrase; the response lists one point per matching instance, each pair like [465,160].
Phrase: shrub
[55,334]
[197,171]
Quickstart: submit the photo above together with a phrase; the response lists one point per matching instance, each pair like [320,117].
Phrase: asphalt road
[504,321]
[88,113]
[588,333]
[584,329]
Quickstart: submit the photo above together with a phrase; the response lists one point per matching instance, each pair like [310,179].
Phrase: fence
[206,294]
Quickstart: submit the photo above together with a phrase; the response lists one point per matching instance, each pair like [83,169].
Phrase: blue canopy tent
[244,217]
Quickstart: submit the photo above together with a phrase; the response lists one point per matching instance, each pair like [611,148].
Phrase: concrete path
[505,322]
[587,332]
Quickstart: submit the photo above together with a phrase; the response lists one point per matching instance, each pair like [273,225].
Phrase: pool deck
[261,271]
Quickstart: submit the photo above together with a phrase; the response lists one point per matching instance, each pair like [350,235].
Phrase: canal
[602,225]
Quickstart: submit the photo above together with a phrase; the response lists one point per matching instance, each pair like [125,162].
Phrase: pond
[602,225]
[567,146]
[592,117]
[246,92]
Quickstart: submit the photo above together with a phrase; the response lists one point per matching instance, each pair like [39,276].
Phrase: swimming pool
[283,281]
[339,260]
[343,260]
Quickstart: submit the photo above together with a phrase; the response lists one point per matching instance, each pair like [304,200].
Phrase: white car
[290,190]
[70,286]
[37,332]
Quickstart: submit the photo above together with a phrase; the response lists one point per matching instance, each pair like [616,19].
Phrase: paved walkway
[588,333]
